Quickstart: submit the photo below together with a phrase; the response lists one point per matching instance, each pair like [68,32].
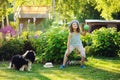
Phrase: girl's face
[74,25]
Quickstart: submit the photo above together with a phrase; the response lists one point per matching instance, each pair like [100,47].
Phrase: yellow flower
[38,33]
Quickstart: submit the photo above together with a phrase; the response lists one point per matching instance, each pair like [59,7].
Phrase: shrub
[106,42]
[13,47]
[28,45]
[39,45]
[86,40]
[10,48]
[89,50]
[30,34]
[51,45]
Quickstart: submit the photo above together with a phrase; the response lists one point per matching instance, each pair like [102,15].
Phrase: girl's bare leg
[65,58]
[82,61]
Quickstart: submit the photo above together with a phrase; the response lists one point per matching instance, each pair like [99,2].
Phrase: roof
[32,11]
[102,21]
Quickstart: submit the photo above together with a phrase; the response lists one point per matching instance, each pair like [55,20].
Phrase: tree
[79,9]
[3,11]
[107,8]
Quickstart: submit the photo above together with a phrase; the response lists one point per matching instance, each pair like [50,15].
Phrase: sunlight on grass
[3,74]
[105,64]
[62,75]
[8,76]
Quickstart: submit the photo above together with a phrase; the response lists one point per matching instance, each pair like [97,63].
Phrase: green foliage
[28,45]
[31,27]
[30,34]
[103,42]
[39,45]
[10,48]
[25,35]
[80,9]
[67,9]
[87,39]
[106,42]
[13,47]
[106,7]
[51,45]
[89,50]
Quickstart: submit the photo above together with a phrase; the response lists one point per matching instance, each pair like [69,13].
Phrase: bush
[103,42]
[28,45]
[106,42]
[86,40]
[51,45]
[10,48]
[39,45]
[89,50]
[13,47]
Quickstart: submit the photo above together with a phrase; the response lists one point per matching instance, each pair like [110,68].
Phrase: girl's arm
[83,32]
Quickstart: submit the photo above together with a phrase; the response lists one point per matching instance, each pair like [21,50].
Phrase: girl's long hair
[71,28]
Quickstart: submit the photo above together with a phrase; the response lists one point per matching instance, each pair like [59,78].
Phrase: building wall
[94,25]
[24,21]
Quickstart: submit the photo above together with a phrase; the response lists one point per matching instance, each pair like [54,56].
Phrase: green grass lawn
[96,69]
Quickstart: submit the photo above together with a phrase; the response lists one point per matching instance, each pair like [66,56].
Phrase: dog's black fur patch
[18,61]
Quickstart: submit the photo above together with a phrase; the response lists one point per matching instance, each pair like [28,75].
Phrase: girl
[74,42]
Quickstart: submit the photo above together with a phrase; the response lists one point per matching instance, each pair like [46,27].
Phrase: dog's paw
[9,67]
[21,69]
[29,70]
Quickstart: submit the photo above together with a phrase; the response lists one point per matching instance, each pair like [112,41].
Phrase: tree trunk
[3,22]
[7,20]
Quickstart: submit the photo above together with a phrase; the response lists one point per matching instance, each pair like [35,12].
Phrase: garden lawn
[96,69]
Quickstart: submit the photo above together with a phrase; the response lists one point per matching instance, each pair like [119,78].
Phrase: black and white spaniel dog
[23,62]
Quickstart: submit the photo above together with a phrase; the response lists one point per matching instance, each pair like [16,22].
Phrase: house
[31,14]
[96,24]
